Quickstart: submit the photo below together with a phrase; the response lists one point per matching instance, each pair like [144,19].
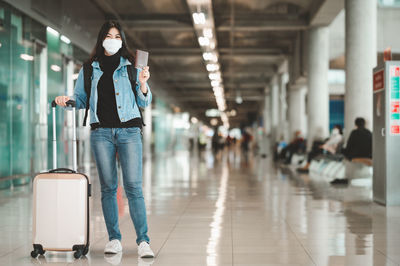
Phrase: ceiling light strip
[203,22]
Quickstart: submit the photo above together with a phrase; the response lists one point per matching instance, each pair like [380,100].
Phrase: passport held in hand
[142,58]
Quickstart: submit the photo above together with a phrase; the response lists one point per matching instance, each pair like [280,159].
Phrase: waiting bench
[335,167]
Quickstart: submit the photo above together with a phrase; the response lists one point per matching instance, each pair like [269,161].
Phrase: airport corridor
[225,210]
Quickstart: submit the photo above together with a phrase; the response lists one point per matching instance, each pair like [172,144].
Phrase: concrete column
[274,109]
[297,110]
[318,91]
[283,127]
[361,23]
[267,111]
[265,141]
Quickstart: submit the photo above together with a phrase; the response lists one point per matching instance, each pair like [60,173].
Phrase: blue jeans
[127,142]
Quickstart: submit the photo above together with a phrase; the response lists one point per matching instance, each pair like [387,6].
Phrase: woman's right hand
[61,100]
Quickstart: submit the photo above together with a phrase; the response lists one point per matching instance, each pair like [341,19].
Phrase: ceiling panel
[254,37]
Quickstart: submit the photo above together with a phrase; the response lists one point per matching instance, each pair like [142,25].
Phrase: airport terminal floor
[226,210]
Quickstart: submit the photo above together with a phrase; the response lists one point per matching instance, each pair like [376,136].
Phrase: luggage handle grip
[62,170]
[70,103]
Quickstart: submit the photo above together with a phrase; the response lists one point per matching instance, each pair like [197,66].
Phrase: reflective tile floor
[225,210]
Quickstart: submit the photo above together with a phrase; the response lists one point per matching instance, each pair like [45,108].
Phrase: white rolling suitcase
[61,205]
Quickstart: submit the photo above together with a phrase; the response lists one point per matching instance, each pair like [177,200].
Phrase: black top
[359,144]
[106,104]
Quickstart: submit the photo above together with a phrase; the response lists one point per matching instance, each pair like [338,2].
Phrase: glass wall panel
[39,114]
[5,94]
[21,73]
[33,70]
[15,108]
[163,131]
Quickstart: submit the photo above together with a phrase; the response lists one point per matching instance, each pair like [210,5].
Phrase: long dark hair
[98,50]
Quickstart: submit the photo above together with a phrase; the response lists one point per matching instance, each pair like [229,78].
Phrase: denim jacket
[126,104]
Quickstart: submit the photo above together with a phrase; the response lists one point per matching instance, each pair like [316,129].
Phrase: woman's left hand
[144,75]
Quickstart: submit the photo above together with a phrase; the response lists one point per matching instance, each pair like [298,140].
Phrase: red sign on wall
[379,82]
[395,107]
[395,71]
[395,129]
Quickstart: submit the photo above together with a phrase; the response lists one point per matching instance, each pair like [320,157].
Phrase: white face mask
[112,45]
[335,131]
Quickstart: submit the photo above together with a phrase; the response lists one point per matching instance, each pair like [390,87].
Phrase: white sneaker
[145,251]
[113,247]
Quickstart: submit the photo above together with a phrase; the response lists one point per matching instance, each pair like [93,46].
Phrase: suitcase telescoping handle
[72,104]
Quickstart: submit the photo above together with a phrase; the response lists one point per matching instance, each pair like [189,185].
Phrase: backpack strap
[87,77]
[132,73]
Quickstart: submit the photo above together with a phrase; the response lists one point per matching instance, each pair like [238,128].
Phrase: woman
[116,123]
[335,140]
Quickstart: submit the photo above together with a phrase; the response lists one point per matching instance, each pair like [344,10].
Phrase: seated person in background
[297,145]
[359,144]
[334,140]
[359,147]
[319,147]
[279,147]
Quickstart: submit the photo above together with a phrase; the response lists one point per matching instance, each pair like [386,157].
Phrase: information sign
[394,85]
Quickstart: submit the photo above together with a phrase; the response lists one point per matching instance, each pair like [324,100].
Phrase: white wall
[388,33]
[388,29]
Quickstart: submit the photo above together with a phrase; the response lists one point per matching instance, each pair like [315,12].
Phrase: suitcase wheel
[78,254]
[80,250]
[37,249]
[34,254]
